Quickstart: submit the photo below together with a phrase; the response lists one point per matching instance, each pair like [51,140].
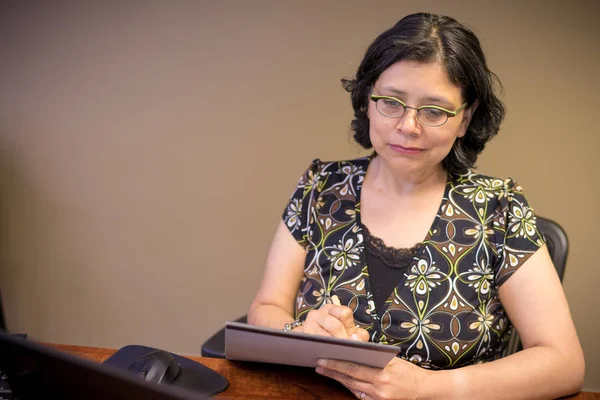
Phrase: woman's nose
[409,123]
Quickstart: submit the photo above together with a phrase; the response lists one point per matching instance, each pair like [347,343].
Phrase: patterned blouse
[444,312]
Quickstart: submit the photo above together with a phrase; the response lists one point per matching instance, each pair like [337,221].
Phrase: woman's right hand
[334,321]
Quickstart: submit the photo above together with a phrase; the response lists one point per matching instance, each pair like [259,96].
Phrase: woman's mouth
[405,150]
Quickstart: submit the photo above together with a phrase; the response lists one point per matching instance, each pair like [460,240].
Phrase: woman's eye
[392,103]
[432,112]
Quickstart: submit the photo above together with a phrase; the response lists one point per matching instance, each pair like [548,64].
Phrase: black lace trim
[391,256]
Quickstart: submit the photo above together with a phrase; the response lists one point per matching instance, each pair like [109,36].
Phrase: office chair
[214,347]
[558,246]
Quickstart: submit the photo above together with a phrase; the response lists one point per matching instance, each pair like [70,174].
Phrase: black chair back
[557,242]
[214,347]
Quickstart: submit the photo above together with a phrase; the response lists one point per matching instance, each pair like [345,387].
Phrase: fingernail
[354,336]
[321,362]
[319,370]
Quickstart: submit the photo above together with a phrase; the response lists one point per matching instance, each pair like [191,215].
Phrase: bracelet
[292,325]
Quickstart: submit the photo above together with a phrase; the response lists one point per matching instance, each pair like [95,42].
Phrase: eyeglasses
[427,115]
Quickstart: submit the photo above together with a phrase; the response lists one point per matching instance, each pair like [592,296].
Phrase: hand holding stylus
[334,320]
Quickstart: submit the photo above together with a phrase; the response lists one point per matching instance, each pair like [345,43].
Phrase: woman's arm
[550,366]
[273,305]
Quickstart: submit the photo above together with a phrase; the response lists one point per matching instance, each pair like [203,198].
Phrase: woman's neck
[385,179]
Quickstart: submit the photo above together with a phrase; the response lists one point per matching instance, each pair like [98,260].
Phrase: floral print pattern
[445,311]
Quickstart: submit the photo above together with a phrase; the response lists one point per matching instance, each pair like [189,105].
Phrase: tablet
[246,342]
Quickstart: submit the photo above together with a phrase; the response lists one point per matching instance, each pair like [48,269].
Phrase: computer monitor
[38,372]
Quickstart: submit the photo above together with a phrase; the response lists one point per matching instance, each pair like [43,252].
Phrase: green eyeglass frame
[448,113]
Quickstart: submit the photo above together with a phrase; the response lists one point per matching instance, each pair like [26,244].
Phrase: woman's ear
[467,116]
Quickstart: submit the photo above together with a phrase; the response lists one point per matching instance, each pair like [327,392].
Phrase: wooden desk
[263,381]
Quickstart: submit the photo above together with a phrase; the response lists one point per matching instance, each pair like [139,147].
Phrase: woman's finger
[333,326]
[360,332]
[354,385]
[360,395]
[324,320]
[313,328]
[344,315]
[358,372]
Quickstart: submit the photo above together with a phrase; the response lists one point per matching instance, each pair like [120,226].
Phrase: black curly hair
[425,38]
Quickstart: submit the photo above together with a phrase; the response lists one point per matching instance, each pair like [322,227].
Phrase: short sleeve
[296,215]
[518,237]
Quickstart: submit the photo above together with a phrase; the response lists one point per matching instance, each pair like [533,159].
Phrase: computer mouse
[192,375]
[158,366]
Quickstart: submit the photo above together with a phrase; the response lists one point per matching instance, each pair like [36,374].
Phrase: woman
[421,252]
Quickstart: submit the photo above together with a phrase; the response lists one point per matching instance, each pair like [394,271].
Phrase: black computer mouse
[158,366]
[149,363]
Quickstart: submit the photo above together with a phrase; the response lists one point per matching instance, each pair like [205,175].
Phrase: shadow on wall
[33,266]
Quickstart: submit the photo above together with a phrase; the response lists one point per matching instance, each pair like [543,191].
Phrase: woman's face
[404,143]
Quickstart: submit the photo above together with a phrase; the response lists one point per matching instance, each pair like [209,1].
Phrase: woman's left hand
[399,379]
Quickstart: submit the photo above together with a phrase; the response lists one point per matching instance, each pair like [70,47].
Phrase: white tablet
[246,342]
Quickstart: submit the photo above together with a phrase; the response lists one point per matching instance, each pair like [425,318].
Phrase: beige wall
[147,150]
